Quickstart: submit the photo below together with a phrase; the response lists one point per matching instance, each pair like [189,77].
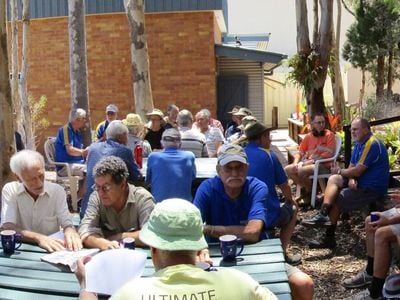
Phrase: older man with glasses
[318,144]
[116,209]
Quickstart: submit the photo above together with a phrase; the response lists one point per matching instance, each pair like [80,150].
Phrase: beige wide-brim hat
[156,112]
[255,129]
[132,120]
[244,111]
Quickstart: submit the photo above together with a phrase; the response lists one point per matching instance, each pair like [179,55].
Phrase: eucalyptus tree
[7,141]
[140,57]
[78,63]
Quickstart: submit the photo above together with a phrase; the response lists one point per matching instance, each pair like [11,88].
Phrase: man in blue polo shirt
[232,203]
[170,172]
[264,165]
[111,115]
[365,181]
[69,146]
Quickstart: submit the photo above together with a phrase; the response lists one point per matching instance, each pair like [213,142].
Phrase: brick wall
[182,63]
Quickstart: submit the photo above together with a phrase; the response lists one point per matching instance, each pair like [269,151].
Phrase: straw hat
[132,120]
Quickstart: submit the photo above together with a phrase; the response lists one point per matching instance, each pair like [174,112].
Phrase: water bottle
[138,153]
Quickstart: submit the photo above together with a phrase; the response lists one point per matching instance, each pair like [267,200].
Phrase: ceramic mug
[230,247]
[129,243]
[10,241]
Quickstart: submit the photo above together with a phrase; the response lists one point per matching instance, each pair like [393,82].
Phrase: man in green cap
[174,233]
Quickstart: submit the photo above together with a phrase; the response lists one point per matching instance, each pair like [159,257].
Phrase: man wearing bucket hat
[232,125]
[135,133]
[232,203]
[264,165]
[155,129]
[240,138]
[174,233]
[111,115]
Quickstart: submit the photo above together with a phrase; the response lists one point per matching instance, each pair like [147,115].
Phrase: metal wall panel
[56,8]
[254,71]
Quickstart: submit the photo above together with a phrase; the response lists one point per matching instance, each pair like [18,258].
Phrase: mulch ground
[328,268]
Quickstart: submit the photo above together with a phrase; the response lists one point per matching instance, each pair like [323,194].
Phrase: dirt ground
[328,268]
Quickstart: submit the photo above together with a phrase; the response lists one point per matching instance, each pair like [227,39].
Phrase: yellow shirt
[181,282]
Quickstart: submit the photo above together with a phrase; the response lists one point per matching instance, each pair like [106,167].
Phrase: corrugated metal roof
[57,8]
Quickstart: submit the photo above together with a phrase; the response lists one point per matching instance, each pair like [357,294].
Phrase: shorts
[349,200]
[290,270]
[323,169]
[76,170]
[285,215]
[395,211]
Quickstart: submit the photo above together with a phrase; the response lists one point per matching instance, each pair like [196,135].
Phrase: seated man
[379,236]
[170,118]
[264,165]
[111,115]
[35,207]
[232,203]
[365,181]
[170,172]
[69,146]
[174,234]
[214,136]
[116,208]
[117,138]
[319,143]
[191,139]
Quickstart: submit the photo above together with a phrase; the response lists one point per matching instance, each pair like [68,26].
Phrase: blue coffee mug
[129,243]
[10,241]
[229,247]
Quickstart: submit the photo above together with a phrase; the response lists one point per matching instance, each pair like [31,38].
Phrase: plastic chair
[72,181]
[317,177]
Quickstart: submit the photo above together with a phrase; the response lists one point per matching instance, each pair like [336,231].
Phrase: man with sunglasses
[318,144]
[116,209]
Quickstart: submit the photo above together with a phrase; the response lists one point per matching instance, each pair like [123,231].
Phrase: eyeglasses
[104,188]
[319,122]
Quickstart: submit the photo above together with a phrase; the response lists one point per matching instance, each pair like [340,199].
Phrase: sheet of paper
[110,270]
[59,235]
[68,258]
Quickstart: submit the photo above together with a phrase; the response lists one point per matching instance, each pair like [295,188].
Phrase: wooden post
[275,117]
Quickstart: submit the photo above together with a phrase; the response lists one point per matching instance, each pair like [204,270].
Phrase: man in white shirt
[36,208]
[213,135]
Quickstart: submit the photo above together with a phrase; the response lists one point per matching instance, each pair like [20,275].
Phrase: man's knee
[302,285]
[289,169]
[384,234]
[335,180]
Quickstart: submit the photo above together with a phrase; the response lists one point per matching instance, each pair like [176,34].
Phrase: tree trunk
[362,92]
[315,24]
[29,140]
[303,41]
[140,58]
[390,75]
[77,62]
[7,141]
[380,80]
[15,67]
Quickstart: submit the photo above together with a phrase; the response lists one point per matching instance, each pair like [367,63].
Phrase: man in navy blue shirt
[264,165]
[170,172]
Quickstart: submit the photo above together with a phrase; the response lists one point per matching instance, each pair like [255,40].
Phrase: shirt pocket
[49,225]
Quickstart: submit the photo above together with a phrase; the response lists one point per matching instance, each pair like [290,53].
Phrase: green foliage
[390,136]
[305,70]
[372,108]
[37,108]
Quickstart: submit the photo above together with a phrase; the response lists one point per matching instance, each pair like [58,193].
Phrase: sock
[375,289]
[325,209]
[330,231]
[370,266]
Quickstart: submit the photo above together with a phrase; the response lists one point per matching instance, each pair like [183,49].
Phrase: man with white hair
[69,146]
[191,140]
[214,136]
[170,172]
[174,234]
[36,208]
[117,138]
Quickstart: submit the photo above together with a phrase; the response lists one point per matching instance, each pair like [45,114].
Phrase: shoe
[294,259]
[319,220]
[363,295]
[362,279]
[327,242]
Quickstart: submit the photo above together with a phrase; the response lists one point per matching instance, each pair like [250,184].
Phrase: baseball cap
[174,224]
[111,108]
[171,135]
[255,129]
[132,120]
[231,152]
[243,111]
[246,121]
[391,288]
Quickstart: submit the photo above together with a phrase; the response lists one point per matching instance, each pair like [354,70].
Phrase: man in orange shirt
[319,143]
